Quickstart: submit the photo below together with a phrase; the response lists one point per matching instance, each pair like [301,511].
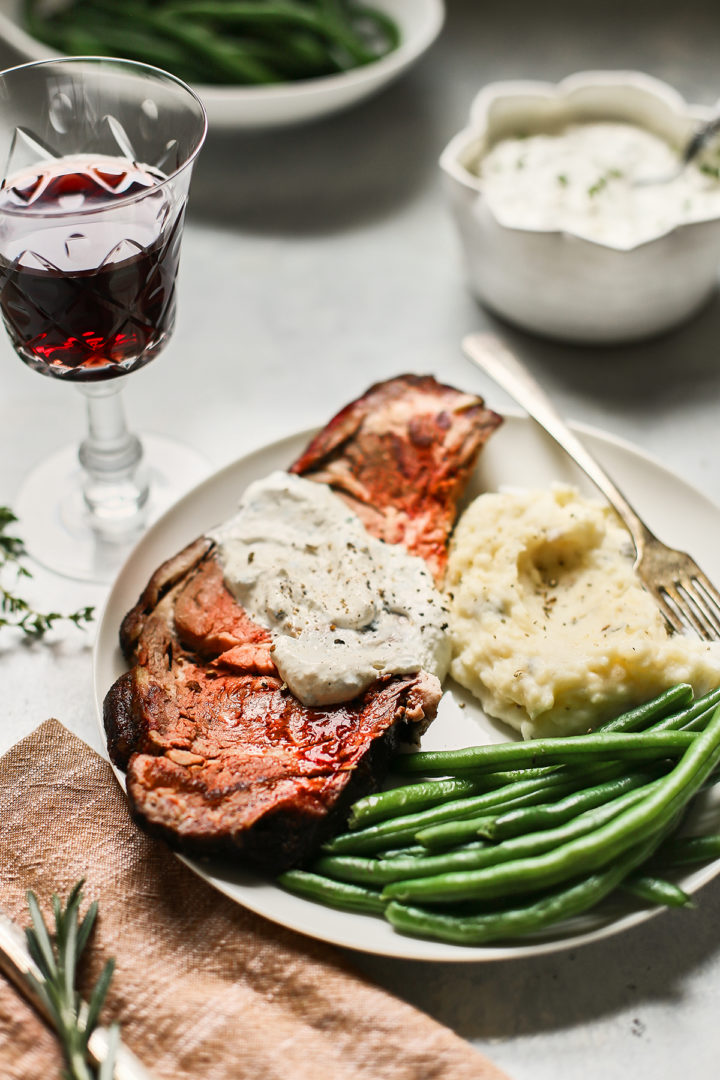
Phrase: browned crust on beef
[401,468]
[166,575]
[122,723]
[290,830]
[220,757]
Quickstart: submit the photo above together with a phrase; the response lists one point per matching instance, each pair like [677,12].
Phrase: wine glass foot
[55,523]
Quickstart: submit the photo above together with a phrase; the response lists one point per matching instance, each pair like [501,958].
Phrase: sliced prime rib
[220,757]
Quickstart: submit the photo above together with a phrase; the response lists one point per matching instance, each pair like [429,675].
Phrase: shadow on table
[545,994]
[17,646]
[663,373]
[342,172]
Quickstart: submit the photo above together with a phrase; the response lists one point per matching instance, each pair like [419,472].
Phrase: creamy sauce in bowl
[343,608]
[584,180]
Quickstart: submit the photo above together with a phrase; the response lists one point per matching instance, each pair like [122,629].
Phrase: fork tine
[707,586]
[694,611]
[705,603]
[687,598]
[670,612]
[681,605]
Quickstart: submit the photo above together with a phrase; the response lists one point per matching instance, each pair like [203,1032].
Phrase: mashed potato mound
[550,627]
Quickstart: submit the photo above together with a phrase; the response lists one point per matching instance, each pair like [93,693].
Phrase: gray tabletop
[319,259]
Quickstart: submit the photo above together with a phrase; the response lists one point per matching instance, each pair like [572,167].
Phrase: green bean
[334,893]
[425,794]
[403,852]
[588,853]
[686,850]
[378,872]
[299,54]
[531,843]
[698,722]
[655,890]
[243,41]
[399,831]
[418,851]
[662,705]
[558,751]
[696,711]
[421,796]
[294,55]
[247,13]
[474,856]
[527,919]
[220,54]
[409,799]
[100,36]
[455,833]
[530,819]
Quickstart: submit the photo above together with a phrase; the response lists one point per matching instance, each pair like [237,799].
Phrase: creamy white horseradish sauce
[343,608]
[583,180]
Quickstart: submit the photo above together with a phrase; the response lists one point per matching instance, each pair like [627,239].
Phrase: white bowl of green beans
[255,63]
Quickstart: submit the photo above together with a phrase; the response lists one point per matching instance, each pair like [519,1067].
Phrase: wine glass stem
[116,486]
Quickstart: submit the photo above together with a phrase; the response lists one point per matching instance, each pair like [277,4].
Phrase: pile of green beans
[231,42]
[515,837]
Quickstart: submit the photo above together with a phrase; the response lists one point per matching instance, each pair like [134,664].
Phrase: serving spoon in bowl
[696,143]
[685,595]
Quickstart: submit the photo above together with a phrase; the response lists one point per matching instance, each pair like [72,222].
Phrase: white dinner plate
[519,454]
[258,107]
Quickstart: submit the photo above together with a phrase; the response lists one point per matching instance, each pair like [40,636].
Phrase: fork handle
[498,362]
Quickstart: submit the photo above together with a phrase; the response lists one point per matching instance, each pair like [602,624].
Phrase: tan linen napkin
[204,989]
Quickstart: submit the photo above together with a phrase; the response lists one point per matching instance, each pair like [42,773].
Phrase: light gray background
[319,259]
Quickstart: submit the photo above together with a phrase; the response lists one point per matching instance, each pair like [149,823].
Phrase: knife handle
[16,963]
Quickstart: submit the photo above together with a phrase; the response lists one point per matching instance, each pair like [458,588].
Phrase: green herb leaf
[16,611]
[98,995]
[57,956]
[47,963]
[86,926]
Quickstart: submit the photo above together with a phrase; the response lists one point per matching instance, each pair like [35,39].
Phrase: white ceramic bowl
[258,107]
[556,283]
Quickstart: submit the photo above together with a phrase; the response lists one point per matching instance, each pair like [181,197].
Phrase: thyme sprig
[57,956]
[15,610]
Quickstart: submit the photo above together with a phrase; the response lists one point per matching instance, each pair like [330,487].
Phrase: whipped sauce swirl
[343,608]
[591,179]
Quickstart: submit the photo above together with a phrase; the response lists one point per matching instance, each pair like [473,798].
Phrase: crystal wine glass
[96,156]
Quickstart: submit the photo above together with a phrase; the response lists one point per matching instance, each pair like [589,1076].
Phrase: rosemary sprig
[14,609]
[57,956]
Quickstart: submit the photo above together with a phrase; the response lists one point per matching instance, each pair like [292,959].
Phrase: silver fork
[684,593]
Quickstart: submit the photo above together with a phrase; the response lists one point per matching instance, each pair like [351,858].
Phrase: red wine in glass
[96,157]
[91,297]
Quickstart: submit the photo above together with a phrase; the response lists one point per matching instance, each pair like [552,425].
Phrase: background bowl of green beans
[255,63]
